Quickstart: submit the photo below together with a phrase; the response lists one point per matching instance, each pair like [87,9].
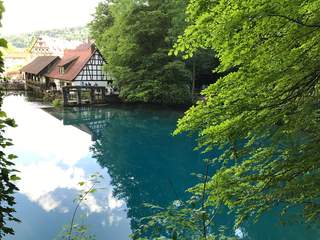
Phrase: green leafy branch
[74,231]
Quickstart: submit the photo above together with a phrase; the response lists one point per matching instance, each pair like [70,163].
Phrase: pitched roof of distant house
[77,58]
[55,46]
[38,64]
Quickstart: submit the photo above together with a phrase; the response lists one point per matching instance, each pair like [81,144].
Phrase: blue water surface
[131,147]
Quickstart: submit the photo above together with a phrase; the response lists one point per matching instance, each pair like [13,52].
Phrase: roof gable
[51,46]
[66,61]
[78,59]
[93,70]
[39,64]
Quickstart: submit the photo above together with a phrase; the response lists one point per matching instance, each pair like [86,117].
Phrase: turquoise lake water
[131,147]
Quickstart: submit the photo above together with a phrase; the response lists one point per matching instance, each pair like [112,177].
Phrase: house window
[61,70]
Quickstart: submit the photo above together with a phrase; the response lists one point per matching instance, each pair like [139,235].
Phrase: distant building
[13,61]
[48,46]
[15,58]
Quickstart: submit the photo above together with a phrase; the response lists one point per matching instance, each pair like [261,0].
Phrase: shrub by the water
[57,103]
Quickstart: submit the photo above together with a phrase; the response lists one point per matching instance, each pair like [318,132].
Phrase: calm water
[134,151]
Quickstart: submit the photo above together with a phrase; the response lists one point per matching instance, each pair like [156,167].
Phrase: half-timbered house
[82,66]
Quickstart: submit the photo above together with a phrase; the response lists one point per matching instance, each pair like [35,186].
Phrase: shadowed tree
[7,173]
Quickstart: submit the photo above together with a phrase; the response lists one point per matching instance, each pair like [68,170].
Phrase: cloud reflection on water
[50,158]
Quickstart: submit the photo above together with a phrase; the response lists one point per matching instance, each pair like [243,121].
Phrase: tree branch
[297,21]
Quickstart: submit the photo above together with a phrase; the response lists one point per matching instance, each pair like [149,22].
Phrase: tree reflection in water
[135,146]
[148,165]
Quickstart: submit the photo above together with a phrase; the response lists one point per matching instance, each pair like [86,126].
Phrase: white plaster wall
[58,84]
[93,83]
[43,80]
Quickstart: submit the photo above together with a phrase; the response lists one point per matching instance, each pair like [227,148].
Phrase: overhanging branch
[297,21]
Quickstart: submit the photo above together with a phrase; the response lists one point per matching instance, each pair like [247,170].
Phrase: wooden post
[92,96]
[78,114]
[65,97]
[104,95]
[79,96]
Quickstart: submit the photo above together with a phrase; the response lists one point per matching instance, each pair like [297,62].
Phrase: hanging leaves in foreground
[8,175]
[264,115]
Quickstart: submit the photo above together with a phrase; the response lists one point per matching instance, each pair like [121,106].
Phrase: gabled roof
[79,58]
[66,61]
[38,64]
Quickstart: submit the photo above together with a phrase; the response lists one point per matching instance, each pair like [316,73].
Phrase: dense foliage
[265,115]
[136,37]
[7,173]
[23,40]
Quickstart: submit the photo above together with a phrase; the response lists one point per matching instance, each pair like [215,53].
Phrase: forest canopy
[136,38]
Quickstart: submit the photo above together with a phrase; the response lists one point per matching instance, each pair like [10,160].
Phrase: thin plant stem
[76,209]
[203,201]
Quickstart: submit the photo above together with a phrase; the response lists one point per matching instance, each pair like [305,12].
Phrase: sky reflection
[53,159]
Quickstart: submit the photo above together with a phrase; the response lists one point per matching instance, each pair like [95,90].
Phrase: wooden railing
[35,85]
[12,85]
[84,95]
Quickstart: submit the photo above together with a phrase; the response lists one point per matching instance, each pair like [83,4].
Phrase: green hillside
[23,40]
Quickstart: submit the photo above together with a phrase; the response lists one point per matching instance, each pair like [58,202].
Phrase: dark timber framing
[93,71]
[87,95]
[79,90]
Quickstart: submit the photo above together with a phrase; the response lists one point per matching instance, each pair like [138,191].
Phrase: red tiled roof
[38,64]
[80,56]
[65,61]
[85,45]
